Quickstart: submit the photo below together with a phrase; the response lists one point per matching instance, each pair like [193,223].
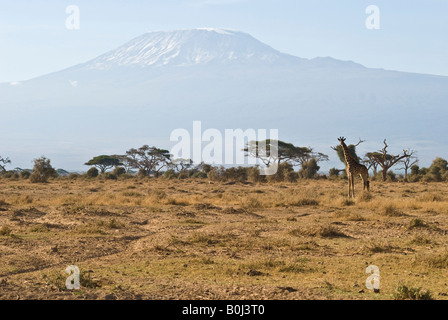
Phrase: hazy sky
[412,37]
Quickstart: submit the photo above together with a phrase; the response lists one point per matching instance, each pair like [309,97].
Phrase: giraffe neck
[348,157]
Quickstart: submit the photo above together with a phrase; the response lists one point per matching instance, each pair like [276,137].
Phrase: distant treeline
[158,163]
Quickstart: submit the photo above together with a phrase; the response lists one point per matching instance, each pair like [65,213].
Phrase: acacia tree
[148,159]
[387,161]
[180,164]
[124,162]
[3,163]
[370,161]
[408,162]
[276,152]
[103,162]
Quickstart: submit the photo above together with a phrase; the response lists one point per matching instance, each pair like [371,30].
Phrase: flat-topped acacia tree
[103,162]
[271,151]
[148,159]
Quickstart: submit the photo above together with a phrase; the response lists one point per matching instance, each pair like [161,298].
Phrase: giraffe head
[341,140]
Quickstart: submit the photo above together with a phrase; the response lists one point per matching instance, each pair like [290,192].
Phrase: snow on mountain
[189,47]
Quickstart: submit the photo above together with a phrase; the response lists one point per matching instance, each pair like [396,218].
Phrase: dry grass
[187,239]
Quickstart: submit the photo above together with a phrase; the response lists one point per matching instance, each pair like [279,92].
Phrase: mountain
[141,91]
[188,48]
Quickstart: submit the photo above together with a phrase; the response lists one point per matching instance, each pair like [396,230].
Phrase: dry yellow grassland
[191,239]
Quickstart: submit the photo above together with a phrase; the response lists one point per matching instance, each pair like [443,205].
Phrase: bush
[25,174]
[309,169]
[333,173]
[170,174]
[253,175]
[390,176]
[73,176]
[206,168]
[440,163]
[184,175]
[438,171]
[118,171]
[415,170]
[142,173]
[93,172]
[405,293]
[285,172]
[11,175]
[214,174]
[199,175]
[234,174]
[110,176]
[42,171]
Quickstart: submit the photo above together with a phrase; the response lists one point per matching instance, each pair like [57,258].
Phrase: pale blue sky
[413,35]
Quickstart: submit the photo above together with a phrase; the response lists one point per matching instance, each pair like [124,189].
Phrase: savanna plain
[161,239]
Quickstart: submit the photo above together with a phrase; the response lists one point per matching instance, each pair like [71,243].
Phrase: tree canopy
[148,159]
[104,162]
[271,152]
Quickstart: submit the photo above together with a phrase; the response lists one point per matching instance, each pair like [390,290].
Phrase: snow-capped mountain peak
[189,47]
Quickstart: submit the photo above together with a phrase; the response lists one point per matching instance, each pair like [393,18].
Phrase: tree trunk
[384,174]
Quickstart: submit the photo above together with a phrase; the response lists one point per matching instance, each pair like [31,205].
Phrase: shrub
[5,231]
[25,174]
[405,293]
[390,176]
[333,173]
[110,176]
[215,174]
[118,171]
[253,175]
[415,170]
[93,172]
[199,175]
[285,171]
[142,173]
[73,176]
[11,175]
[391,211]
[416,223]
[170,174]
[440,163]
[185,175]
[42,171]
[309,169]
[434,174]
[234,174]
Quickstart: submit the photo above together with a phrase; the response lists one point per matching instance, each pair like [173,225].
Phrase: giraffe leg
[365,180]
[349,186]
[352,178]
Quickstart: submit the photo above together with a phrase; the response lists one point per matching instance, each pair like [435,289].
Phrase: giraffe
[353,168]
